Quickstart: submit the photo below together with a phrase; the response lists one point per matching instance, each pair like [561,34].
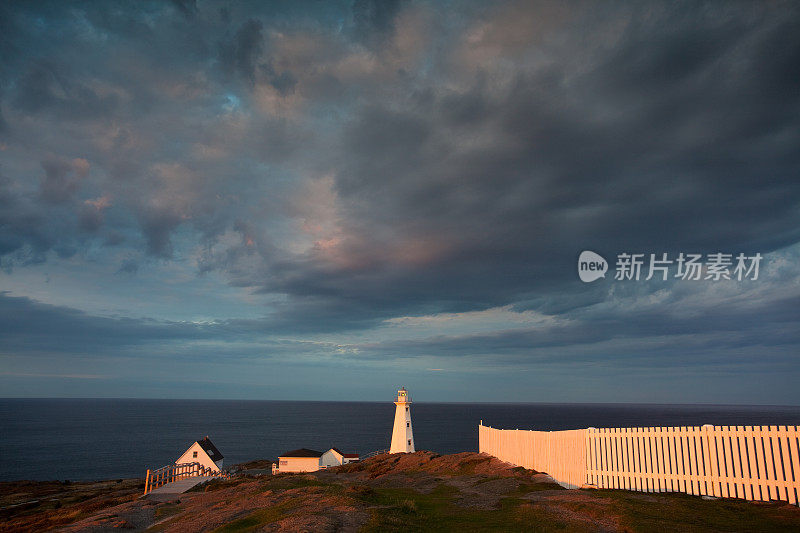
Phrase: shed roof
[348,455]
[302,452]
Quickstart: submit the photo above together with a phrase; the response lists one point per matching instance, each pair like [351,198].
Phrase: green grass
[683,512]
[288,481]
[527,488]
[406,509]
[163,514]
[524,487]
[161,526]
[409,510]
[468,467]
[167,510]
[216,484]
[489,479]
[255,520]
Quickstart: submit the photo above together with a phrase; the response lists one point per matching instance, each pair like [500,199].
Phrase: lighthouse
[402,434]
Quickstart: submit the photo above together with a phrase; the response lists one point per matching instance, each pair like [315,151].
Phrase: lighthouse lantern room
[402,433]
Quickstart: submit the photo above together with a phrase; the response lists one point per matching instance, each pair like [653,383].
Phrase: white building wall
[331,458]
[202,457]
[298,464]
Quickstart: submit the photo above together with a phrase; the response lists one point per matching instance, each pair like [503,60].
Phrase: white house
[305,460]
[335,457]
[301,460]
[204,452]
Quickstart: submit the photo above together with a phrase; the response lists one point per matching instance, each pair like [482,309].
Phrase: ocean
[89,439]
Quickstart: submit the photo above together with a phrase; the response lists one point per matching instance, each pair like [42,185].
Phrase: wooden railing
[749,462]
[167,474]
[373,454]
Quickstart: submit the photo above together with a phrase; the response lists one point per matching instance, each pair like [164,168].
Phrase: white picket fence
[749,462]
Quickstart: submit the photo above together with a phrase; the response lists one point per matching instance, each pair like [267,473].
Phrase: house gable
[204,452]
[332,457]
[335,457]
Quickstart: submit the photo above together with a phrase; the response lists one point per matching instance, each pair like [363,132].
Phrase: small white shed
[301,460]
[204,452]
[305,460]
[335,457]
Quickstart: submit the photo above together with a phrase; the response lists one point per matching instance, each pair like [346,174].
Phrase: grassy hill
[409,492]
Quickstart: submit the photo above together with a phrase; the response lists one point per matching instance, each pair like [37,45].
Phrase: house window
[194,455]
[408,424]
[409,442]
[406,409]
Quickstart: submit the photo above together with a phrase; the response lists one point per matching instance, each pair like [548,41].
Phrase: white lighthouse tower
[402,434]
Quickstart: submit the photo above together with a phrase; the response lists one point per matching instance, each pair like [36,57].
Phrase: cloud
[187,7]
[129,266]
[43,88]
[374,19]
[62,178]
[91,215]
[354,165]
[59,376]
[71,331]
[284,83]
[241,54]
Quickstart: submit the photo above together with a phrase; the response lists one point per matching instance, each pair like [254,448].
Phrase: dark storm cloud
[129,266]
[73,333]
[43,88]
[62,179]
[157,227]
[27,327]
[634,337]
[284,82]
[374,19]
[21,225]
[241,54]
[90,218]
[357,162]
[682,136]
[187,7]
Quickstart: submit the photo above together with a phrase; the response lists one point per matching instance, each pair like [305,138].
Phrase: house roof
[348,455]
[302,452]
[210,449]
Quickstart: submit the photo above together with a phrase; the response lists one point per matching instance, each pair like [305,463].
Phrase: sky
[330,200]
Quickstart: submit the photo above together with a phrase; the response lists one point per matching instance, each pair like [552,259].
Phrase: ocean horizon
[111,438]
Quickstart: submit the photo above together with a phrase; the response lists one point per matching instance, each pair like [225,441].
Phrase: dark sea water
[74,439]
